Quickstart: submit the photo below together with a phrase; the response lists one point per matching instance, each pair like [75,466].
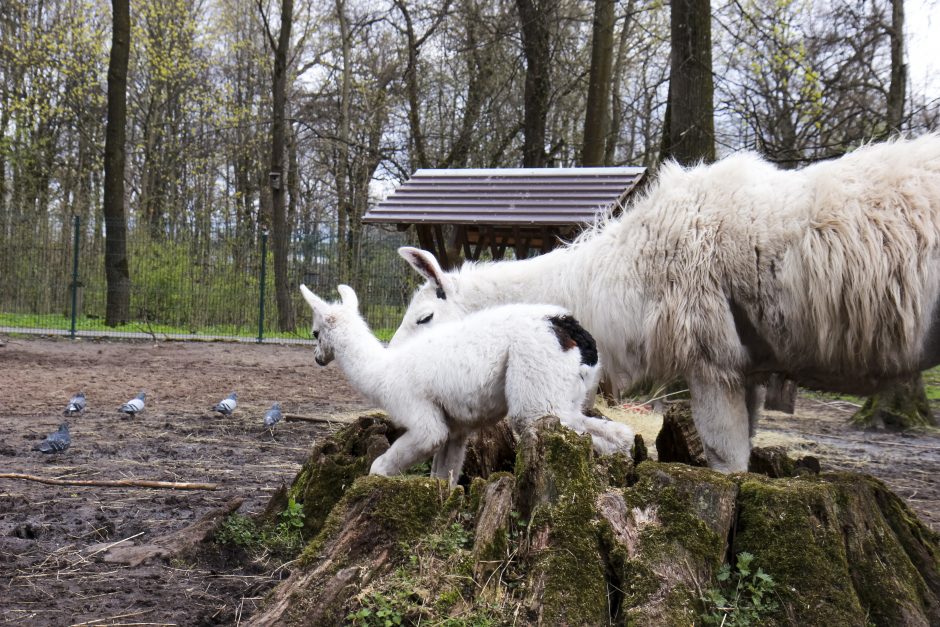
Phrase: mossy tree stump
[567,538]
[902,406]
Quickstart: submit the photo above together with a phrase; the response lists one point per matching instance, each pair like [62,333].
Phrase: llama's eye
[425,319]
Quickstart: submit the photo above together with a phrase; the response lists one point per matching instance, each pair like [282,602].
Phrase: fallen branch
[319,419]
[116,483]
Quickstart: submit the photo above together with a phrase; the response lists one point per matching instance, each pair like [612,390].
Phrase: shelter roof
[506,197]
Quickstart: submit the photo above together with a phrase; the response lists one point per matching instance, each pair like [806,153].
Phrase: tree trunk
[902,406]
[280,230]
[689,127]
[898,68]
[535,21]
[343,201]
[616,109]
[597,117]
[117,272]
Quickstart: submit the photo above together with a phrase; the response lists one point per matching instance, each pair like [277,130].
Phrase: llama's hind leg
[415,445]
[448,461]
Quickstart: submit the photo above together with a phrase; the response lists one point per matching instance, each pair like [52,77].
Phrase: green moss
[329,471]
[680,507]
[792,527]
[573,571]
[883,538]
[615,470]
[683,499]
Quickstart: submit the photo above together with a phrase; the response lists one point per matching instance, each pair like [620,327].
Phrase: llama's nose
[320,360]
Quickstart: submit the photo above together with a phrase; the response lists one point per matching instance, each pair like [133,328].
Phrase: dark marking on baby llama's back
[571,334]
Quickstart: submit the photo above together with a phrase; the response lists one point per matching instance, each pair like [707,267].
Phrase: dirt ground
[51,537]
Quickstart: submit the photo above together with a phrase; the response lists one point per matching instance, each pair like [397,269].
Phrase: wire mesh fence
[52,280]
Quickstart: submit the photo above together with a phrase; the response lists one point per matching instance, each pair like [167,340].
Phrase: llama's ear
[424,264]
[348,296]
[315,302]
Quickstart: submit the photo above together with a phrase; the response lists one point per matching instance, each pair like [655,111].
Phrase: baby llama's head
[329,318]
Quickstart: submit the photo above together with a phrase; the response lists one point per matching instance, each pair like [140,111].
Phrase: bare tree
[897,87]
[535,18]
[280,46]
[116,267]
[596,117]
[414,42]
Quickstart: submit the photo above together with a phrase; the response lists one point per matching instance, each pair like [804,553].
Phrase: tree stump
[678,440]
[897,408]
[568,538]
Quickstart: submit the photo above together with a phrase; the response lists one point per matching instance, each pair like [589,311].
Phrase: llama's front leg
[721,418]
[448,461]
[415,445]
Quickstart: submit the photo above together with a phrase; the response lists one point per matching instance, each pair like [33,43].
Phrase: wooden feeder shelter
[462,213]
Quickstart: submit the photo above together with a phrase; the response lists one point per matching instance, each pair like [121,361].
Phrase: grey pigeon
[227,405]
[57,441]
[76,406]
[273,416]
[134,405]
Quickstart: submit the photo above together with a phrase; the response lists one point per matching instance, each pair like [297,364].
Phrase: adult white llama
[726,273]
[524,361]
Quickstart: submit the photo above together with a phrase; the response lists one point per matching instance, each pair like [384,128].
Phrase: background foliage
[376,90]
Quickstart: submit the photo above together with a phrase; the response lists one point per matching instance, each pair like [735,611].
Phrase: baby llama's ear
[315,302]
[348,296]
[424,264]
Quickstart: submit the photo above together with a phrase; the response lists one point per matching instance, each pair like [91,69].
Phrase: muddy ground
[51,536]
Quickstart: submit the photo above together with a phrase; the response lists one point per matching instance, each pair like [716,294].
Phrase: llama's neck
[557,278]
[361,356]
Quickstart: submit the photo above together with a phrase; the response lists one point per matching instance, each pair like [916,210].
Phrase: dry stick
[301,418]
[100,621]
[117,483]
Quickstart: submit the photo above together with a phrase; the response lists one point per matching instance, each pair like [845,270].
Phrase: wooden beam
[442,255]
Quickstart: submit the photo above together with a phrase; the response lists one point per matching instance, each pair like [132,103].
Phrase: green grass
[83,323]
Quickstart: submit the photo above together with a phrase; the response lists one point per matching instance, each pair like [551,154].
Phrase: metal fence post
[75,221]
[264,265]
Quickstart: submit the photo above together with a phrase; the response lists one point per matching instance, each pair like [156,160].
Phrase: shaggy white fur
[524,361]
[728,272]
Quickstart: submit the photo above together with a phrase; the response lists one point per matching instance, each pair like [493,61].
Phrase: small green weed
[240,531]
[284,538]
[744,597]
[377,611]
[450,540]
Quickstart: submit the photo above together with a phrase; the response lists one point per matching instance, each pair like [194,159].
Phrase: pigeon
[273,416]
[227,405]
[134,405]
[76,406]
[57,441]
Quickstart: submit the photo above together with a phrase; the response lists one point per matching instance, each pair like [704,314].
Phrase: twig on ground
[117,483]
[301,418]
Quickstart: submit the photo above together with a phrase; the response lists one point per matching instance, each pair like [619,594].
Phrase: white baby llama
[524,361]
